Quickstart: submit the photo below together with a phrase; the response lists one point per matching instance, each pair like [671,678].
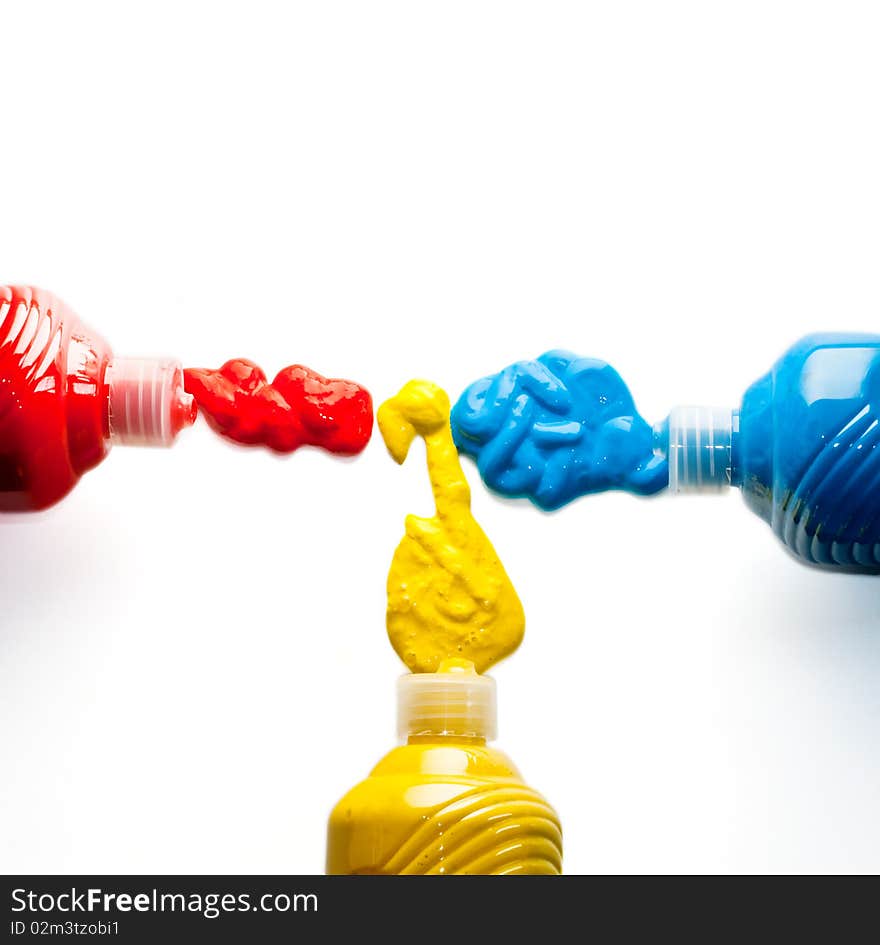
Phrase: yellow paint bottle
[444,802]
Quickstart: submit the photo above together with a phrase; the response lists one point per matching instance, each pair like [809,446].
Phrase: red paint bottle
[65,398]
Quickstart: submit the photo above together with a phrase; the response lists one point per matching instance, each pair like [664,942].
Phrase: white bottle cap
[699,448]
[148,404]
[457,702]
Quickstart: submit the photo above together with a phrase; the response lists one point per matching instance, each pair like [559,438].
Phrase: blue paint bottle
[804,446]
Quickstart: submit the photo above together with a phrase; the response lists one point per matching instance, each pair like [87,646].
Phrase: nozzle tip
[186,410]
[147,402]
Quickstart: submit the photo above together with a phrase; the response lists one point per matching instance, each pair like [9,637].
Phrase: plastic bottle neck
[147,402]
[457,705]
[447,739]
[698,444]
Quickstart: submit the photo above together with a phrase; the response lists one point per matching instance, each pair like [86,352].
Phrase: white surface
[193,664]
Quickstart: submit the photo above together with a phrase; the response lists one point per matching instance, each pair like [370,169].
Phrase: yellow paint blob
[448,593]
[442,806]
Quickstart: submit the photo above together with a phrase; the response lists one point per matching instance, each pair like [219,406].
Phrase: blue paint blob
[557,428]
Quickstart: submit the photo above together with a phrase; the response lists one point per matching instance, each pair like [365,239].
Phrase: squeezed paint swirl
[557,428]
[448,593]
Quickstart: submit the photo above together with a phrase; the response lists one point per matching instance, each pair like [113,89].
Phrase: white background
[193,662]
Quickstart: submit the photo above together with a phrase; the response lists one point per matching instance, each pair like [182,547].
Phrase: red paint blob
[298,408]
